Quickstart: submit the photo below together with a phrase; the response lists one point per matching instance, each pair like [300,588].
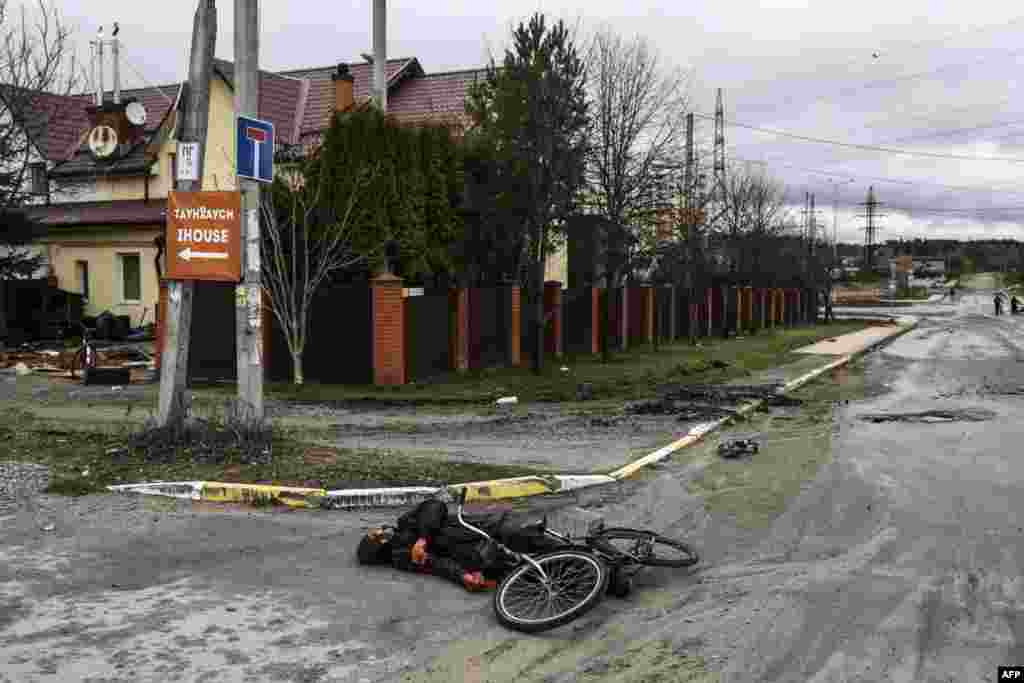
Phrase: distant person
[997,301]
[952,293]
[1014,305]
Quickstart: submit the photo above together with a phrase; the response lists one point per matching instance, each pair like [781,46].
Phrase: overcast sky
[944,82]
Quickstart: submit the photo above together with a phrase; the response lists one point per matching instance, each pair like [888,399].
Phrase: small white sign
[188,161]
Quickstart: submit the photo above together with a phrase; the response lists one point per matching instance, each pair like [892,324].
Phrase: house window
[82,277]
[131,278]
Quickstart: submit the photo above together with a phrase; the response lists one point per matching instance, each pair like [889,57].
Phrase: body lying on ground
[428,540]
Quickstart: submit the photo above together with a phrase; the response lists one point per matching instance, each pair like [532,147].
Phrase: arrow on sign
[187,255]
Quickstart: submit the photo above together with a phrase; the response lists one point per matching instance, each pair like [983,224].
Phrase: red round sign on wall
[204,236]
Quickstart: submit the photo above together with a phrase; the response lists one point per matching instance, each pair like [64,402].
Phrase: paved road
[900,561]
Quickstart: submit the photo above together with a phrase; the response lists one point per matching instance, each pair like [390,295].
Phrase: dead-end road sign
[254,149]
[204,236]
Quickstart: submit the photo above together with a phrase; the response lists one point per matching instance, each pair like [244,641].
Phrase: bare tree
[304,242]
[636,133]
[38,70]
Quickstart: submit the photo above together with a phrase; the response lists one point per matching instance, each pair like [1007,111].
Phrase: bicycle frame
[519,557]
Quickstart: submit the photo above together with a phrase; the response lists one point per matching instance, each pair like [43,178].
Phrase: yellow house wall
[99,250]
[99,245]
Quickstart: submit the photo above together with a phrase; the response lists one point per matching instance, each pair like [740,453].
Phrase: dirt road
[877,536]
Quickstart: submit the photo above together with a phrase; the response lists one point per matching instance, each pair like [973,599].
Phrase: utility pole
[248,301]
[380,60]
[195,110]
[812,227]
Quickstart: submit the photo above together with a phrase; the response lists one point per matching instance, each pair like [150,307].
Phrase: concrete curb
[478,491]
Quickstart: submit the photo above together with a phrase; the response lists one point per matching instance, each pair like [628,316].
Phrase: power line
[870,148]
[884,179]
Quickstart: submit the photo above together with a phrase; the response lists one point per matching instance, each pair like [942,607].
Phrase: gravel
[19,480]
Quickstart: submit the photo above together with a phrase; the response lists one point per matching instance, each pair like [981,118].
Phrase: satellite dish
[136,113]
[103,141]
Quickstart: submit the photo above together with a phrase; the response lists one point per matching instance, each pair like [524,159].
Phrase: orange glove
[475,581]
[418,553]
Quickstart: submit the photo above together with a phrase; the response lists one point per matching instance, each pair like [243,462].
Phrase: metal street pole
[249,295]
[172,406]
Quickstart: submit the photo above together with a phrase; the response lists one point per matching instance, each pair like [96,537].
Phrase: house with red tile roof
[103,214]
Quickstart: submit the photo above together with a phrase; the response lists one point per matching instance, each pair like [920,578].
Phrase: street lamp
[835,216]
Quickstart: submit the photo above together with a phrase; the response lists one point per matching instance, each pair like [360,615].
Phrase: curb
[478,491]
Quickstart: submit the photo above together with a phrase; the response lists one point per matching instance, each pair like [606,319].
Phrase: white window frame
[120,276]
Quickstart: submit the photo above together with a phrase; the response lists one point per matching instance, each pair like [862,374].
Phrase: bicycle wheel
[646,547]
[576,582]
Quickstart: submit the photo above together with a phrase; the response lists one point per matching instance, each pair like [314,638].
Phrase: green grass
[628,376]
[755,490]
[84,460]
[912,293]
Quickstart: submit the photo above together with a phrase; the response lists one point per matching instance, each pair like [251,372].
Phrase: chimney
[344,96]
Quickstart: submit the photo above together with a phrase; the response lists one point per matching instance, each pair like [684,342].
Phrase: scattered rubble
[59,362]
[736,448]
[710,401]
[932,416]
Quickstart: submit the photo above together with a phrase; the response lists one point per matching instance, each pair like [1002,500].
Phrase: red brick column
[740,308]
[553,314]
[762,293]
[388,330]
[595,320]
[515,354]
[161,323]
[458,336]
[748,308]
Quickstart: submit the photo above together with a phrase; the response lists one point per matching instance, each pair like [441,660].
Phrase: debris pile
[736,448]
[61,361]
[710,401]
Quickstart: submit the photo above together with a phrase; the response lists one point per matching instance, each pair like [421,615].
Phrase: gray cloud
[947,67]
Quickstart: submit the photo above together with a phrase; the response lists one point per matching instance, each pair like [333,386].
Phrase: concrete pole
[249,297]
[380,59]
[195,105]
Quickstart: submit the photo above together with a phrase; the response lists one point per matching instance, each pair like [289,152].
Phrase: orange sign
[204,232]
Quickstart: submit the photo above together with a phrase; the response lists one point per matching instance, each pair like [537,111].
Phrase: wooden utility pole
[195,113]
[248,299]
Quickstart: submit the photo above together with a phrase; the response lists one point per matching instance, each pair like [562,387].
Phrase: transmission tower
[719,160]
[871,227]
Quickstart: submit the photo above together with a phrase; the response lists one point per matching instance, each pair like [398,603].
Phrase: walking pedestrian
[997,301]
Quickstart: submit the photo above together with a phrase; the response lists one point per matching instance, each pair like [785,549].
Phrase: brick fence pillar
[388,330]
[623,320]
[161,323]
[801,318]
[515,354]
[740,311]
[647,314]
[553,315]
[748,315]
[458,336]
[595,320]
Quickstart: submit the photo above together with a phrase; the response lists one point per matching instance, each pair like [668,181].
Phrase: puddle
[932,416]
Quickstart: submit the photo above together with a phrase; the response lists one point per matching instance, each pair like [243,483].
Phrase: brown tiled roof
[320,102]
[298,102]
[440,96]
[282,100]
[133,212]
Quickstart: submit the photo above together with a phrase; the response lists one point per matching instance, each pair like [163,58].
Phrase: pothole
[932,416]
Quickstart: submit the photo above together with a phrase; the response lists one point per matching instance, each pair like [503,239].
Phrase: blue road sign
[254,149]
